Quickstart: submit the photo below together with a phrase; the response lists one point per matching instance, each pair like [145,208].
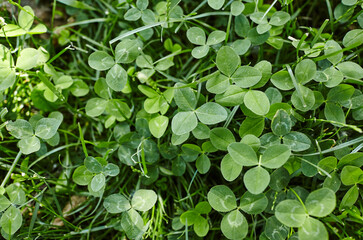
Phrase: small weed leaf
[82,176]
[215,4]
[291,213]
[256,180]
[279,18]
[234,225]
[184,122]
[257,102]
[46,128]
[11,220]
[4,203]
[98,182]
[211,113]
[132,224]
[281,123]
[16,194]
[243,154]
[297,141]
[229,168]
[275,156]
[321,202]
[20,128]
[221,198]
[351,175]
[275,230]
[227,61]
[116,78]
[127,51]
[237,8]
[158,126]
[246,76]
[312,229]
[143,200]
[185,98]
[116,203]
[100,61]
[253,204]
[29,145]
[196,36]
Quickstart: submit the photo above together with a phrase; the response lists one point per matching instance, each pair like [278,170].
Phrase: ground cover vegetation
[181,119]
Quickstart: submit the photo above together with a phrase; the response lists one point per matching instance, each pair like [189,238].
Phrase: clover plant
[154,119]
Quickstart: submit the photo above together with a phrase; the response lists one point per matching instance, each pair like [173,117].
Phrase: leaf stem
[11,170]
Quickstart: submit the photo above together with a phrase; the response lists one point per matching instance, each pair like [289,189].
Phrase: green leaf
[291,213]
[281,123]
[217,83]
[305,71]
[100,61]
[79,88]
[143,200]
[133,14]
[297,141]
[328,164]
[116,203]
[227,61]
[246,76]
[353,38]
[132,224]
[279,179]
[46,128]
[203,207]
[201,131]
[312,229]
[351,70]
[26,18]
[256,180]
[254,126]
[4,203]
[216,4]
[111,170]
[16,194]
[350,197]
[332,46]
[259,17]
[234,225]
[196,36]
[221,138]
[275,230]
[242,26]
[203,164]
[279,18]
[229,168]
[211,113]
[349,2]
[93,165]
[216,37]
[321,202]
[237,8]
[340,93]
[158,126]
[127,51]
[257,102]
[334,113]
[242,154]
[189,217]
[116,78]
[11,220]
[118,109]
[98,182]
[82,176]
[201,227]
[351,175]
[184,97]
[12,30]
[7,78]
[95,107]
[241,46]
[221,198]
[142,4]
[28,59]
[253,204]
[275,156]
[183,122]
[307,95]
[282,80]
[20,128]
[263,28]
[200,52]
[256,38]
[29,145]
